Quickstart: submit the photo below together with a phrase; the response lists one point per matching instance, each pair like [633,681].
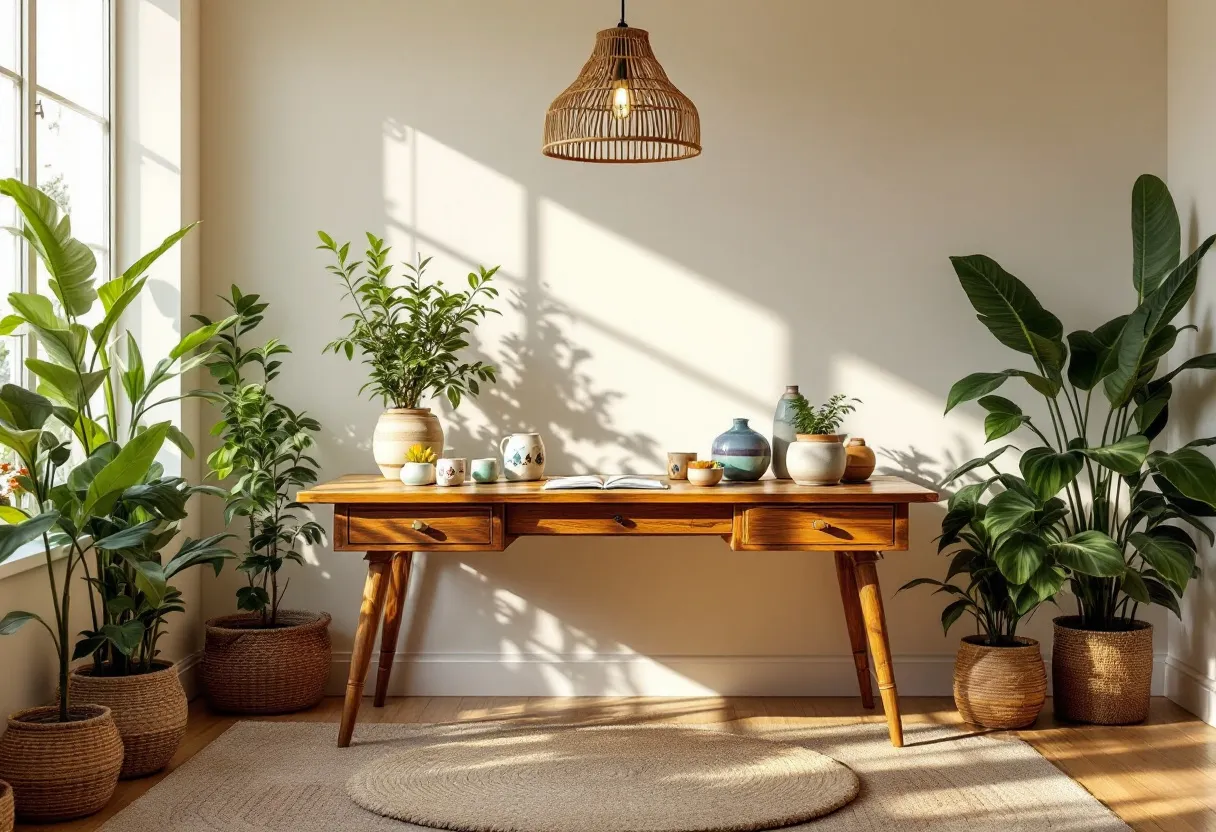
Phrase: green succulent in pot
[1095,505]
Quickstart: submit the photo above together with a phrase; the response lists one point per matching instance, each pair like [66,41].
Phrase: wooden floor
[1158,776]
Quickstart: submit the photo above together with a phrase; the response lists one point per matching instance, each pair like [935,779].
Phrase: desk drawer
[619,519]
[819,526]
[426,527]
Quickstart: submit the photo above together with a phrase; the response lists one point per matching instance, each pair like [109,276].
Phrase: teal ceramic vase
[783,431]
[744,454]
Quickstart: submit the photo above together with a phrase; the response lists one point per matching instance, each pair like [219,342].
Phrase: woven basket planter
[999,687]
[249,670]
[6,807]
[1101,677]
[150,711]
[61,770]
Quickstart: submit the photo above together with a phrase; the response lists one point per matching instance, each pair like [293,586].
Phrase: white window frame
[31,92]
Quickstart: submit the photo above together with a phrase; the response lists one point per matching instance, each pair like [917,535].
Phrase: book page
[631,481]
[564,483]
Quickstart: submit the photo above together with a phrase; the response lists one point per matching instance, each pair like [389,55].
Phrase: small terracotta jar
[860,463]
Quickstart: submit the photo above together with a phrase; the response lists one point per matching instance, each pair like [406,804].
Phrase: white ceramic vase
[523,457]
[397,430]
[418,473]
[816,459]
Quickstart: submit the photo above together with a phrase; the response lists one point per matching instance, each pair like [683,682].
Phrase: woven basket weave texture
[150,710]
[1103,678]
[61,770]
[249,670]
[999,687]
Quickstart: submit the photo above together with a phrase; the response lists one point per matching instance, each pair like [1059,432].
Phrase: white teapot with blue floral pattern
[523,457]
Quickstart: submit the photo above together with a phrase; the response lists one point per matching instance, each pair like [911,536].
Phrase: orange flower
[5,467]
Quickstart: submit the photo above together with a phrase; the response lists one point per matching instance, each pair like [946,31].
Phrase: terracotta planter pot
[999,687]
[149,709]
[399,428]
[1101,677]
[6,807]
[250,670]
[61,770]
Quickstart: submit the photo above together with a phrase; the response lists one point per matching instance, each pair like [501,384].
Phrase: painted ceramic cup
[677,464]
[744,454]
[418,473]
[523,457]
[484,469]
[450,471]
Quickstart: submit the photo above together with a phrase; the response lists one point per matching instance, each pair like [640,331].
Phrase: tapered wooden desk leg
[365,637]
[856,625]
[880,649]
[394,605]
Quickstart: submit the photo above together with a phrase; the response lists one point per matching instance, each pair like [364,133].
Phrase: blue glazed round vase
[744,454]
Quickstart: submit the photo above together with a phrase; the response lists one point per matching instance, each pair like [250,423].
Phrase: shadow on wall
[648,305]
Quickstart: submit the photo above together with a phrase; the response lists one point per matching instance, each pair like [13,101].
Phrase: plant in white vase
[818,457]
[409,336]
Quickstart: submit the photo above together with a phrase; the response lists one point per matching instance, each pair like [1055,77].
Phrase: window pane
[10,38]
[71,50]
[10,246]
[73,168]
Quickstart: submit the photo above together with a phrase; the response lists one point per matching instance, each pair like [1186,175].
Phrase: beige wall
[1191,672]
[849,149]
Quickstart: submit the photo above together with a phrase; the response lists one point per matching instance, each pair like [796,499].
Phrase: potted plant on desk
[1126,544]
[265,659]
[409,336]
[818,457]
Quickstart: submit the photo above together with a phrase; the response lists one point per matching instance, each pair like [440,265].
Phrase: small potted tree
[409,336]
[999,678]
[818,457]
[265,659]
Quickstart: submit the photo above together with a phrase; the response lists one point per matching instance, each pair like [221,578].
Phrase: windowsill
[30,556]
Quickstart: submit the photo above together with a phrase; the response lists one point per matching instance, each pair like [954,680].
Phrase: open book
[602,482]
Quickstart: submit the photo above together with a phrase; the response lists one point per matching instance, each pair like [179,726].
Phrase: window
[55,80]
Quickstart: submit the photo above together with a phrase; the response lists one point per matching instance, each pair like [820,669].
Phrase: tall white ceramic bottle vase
[523,457]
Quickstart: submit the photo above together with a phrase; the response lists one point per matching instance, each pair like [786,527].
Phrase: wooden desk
[390,521]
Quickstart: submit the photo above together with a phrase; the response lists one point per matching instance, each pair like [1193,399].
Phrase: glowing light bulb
[622,99]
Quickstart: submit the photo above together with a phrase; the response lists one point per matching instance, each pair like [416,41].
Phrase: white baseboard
[1191,688]
[491,674]
[189,670]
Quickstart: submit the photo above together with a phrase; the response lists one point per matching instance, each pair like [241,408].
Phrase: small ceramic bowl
[418,473]
[705,477]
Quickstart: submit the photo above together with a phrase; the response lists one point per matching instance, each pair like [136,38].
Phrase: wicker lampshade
[622,107]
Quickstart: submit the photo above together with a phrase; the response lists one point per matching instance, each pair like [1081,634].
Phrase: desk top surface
[372,488]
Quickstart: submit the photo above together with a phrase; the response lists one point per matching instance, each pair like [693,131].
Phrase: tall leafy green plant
[265,447]
[116,511]
[1120,532]
[409,335]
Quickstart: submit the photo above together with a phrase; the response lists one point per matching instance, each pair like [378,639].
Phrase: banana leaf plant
[1094,503]
[266,448]
[118,534]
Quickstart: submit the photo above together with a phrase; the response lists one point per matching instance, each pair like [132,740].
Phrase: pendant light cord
[622,24]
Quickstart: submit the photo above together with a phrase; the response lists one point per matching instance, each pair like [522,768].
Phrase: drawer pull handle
[618,519]
[820,525]
[420,526]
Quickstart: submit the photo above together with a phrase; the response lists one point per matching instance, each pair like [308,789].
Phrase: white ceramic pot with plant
[818,456]
[409,335]
[419,467]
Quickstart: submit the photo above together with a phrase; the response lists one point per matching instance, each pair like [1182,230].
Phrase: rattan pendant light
[622,108]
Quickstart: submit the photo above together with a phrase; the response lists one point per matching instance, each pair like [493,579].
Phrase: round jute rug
[604,779]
